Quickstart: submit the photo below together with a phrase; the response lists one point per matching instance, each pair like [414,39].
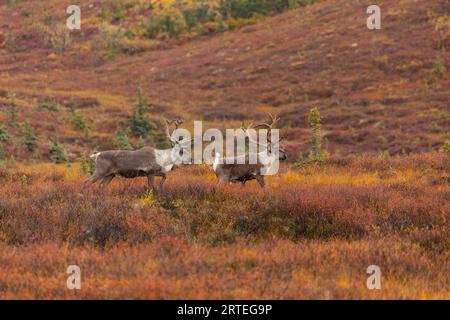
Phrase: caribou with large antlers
[241,173]
[146,162]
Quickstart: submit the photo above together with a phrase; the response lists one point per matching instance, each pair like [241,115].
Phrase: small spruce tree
[316,154]
[57,152]
[13,109]
[87,166]
[4,136]
[122,141]
[316,137]
[140,126]
[140,143]
[78,121]
[76,118]
[71,106]
[30,139]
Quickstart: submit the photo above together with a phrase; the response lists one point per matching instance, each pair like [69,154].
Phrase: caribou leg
[106,181]
[93,179]
[260,180]
[163,179]
[150,181]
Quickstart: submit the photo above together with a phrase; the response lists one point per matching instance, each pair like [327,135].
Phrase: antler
[245,129]
[177,123]
[273,118]
[273,121]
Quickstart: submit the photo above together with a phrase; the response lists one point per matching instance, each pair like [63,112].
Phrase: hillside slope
[383,90]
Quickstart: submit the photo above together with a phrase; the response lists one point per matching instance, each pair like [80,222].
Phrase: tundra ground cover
[310,234]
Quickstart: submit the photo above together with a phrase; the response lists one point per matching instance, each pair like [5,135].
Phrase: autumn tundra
[359,205]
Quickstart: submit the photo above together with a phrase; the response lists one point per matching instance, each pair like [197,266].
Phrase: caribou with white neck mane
[146,162]
[235,172]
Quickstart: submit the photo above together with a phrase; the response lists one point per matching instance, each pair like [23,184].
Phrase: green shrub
[13,109]
[118,11]
[48,20]
[4,135]
[196,16]
[57,152]
[215,15]
[75,118]
[439,66]
[24,180]
[245,9]
[164,25]
[51,105]
[115,10]
[71,105]
[446,147]
[301,161]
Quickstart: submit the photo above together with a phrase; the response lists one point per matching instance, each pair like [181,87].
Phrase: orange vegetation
[307,235]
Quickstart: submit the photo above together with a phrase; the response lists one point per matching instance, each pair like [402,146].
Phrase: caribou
[145,162]
[234,172]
